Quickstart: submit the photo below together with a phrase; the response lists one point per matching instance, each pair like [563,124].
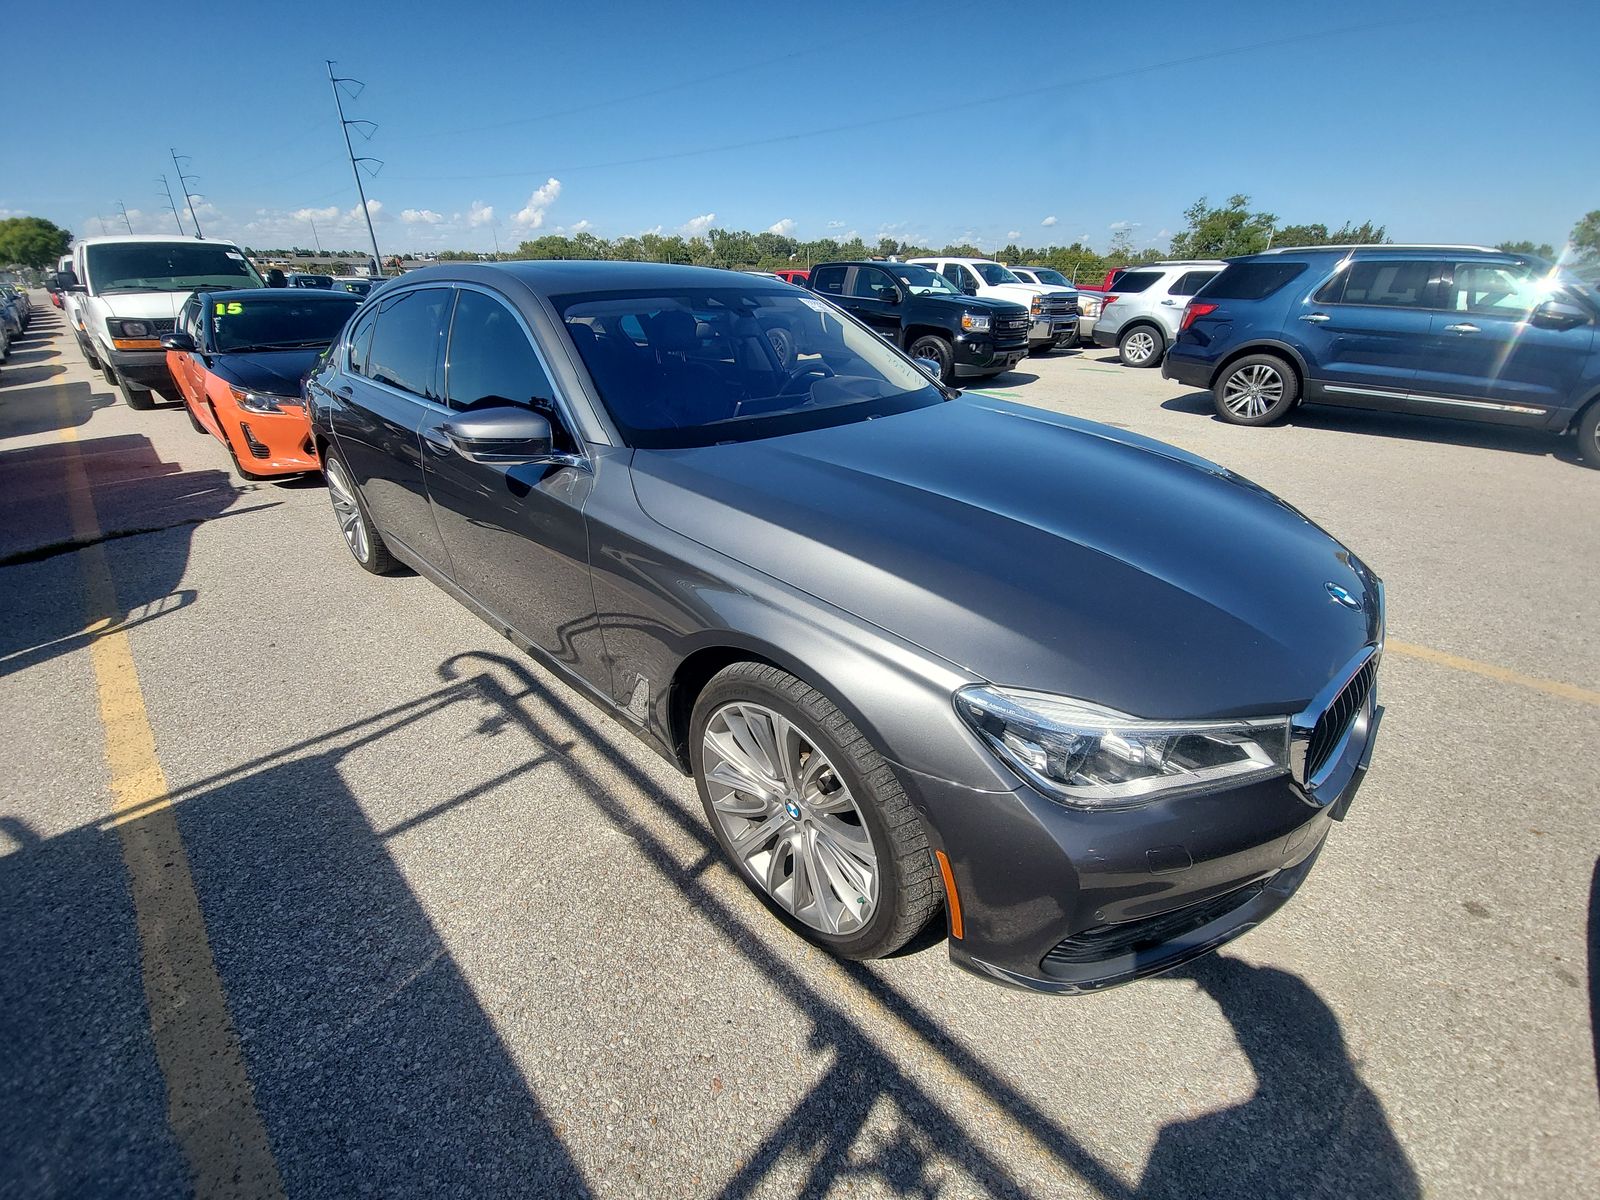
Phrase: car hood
[1037,551]
[143,304]
[276,372]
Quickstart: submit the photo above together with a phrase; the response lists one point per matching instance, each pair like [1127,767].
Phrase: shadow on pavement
[1594,966]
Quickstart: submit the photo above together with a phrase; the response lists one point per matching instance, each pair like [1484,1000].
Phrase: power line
[344,127]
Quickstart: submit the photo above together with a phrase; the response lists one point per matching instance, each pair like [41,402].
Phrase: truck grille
[1336,718]
[1012,326]
[1056,306]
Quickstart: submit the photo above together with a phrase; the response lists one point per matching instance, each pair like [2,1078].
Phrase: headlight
[1089,308]
[261,402]
[975,322]
[1037,306]
[119,328]
[1093,757]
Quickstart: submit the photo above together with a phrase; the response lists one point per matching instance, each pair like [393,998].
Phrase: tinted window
[276,321]
[361,342]
[993,272]
[491,359]
[1130,282]
[828,279]
[189,318]
[1499,289]
[957,275]
[1191,282]
[870,283]
[1053,278]
[405,345]
[1384,283]
[1251,281]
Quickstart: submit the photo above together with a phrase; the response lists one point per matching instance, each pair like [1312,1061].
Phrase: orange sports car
[238,358]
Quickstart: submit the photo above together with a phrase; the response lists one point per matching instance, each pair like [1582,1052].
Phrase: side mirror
[891,295]
[177,341]
[500,435]
[68,280]
[1554,314]
[930,365]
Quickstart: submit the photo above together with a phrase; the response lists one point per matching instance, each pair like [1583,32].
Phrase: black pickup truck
[922,312]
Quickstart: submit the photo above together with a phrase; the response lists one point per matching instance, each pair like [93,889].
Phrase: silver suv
[1144,304]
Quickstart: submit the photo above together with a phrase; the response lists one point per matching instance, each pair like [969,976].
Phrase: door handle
[344,389]
[1316,318]
[1463,327]
[1170,303]
[437,442]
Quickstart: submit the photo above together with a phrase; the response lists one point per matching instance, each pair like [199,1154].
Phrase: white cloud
[1165,234]
[374,210]
[654,231]
[1013,235]
[532,214]
[315,214]
[421,216]
[480,213]
[782,228]
[695,226]
[835,224]
[1048,222]
[1123,226]
[581,227]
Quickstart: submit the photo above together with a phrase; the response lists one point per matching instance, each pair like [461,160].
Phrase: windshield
[920,281]
[993,272]
[167,267]
[311,281]
[1053,278]
[694,368]
[277,322]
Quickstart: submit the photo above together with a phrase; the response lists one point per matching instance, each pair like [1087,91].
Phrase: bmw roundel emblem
[793,809]
[1340,596]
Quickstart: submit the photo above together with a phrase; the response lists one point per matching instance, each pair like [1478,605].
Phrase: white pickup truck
[126,291]
[1054,309]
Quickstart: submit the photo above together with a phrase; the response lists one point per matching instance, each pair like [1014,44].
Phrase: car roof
[557,276]
[151,237]
[1402,247]
[1168,264]
[299,295]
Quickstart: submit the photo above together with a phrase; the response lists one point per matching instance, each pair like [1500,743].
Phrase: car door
[185,365]
[515,533]
[1491,357]
[875,296]
[390,384]
[1177,294]
[1365,331]
[963,276]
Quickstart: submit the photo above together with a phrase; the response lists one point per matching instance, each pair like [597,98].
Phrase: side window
[189,318]
[405,343]
[491,359]
[1384,283]
[1191,282]
[361,342]
[870,283]
[829,280]
[1130,282]
[1496,289]
[956,274]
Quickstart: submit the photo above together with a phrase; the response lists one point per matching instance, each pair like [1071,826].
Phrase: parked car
[302,279]
[1456,331]
[798,278]
[11,315]
[1054,310]
[128,289]
[1088,302]
[20,299]
[356,287]
[238,359]
[1140,318]
[894,637]
[920,311]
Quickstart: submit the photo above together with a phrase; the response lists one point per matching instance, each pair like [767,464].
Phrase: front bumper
[277,443]
[979,354]
[1052,330]
[142,368]
[1057,899]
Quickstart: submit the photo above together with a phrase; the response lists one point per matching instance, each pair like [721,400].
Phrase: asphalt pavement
[310,884]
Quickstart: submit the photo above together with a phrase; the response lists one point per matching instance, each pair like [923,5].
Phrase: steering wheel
[817,367]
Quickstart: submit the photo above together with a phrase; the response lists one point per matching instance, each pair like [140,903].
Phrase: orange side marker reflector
[950,893]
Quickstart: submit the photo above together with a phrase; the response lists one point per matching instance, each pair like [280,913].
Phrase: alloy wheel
[789,818]
[1250,392]
[1140,345]
[347,510]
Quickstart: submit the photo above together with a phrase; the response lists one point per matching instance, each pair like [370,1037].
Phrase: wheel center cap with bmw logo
[792,809]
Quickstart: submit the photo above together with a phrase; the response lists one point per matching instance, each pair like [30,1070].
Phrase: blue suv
[1457,331]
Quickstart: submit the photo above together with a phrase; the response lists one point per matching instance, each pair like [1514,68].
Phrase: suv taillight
[1107,302]
[1194,310]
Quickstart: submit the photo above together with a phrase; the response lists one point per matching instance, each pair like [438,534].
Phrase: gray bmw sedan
[1097,699]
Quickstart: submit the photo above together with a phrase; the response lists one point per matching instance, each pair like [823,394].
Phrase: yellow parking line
[1551,687]
[210,1104]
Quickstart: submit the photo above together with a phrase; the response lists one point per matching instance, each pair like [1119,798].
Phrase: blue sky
[1040,121]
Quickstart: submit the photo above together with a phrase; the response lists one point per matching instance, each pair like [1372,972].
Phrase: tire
[108,372]
[932,346]
[1258,389]
[1141,346]
[1589,436]
[140,399]
[366,544]
[863,824]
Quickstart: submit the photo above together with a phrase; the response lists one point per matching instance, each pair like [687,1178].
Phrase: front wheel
[1589,436]
[1141,346]
[811,815]
[141,399]
[1257,390]
[939,350]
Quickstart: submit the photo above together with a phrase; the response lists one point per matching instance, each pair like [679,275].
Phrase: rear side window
[1251,281]
[361,342]
[405,344]
[1191,282]
[829,280]
[1382,283]
[1131,282]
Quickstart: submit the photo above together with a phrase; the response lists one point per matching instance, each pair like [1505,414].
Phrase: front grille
[1055,306]
[1012,325]
[162,325]
[1125,937]
[1336,718]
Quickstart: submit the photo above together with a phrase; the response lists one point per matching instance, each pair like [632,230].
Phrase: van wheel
[141,399]
[1257,390]
[936,348]
[1589,436]
[1141,346]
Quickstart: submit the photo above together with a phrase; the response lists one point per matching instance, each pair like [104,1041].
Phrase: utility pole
[123,209]
[494,228]
[171,207]
[183,182]
[314,238]
[344,126]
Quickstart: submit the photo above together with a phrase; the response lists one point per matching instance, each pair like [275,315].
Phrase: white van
[126,292]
